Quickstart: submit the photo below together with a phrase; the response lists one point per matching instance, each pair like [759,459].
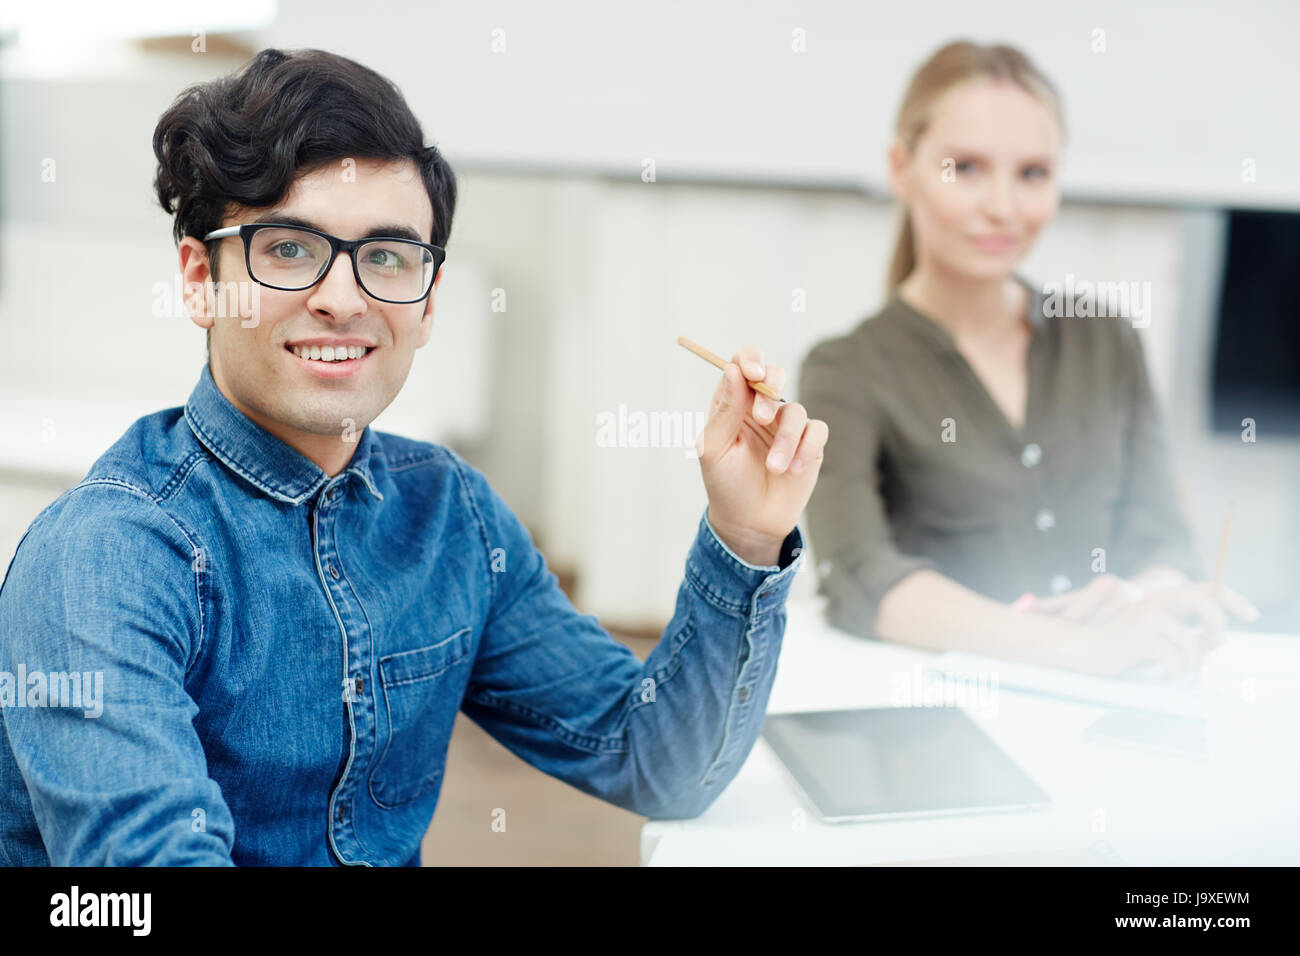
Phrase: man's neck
[330,453]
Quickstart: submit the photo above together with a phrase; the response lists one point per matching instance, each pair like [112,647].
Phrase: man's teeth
[329,353]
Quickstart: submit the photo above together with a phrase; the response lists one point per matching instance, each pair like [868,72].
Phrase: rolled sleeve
[660,738]
[857,557]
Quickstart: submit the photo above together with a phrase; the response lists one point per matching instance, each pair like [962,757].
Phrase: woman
[988,450]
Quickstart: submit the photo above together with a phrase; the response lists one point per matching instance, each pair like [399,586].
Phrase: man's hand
[759,459]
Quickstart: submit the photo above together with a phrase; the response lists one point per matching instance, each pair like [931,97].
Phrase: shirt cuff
[730,581]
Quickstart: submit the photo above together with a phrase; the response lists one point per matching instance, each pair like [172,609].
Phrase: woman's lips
[994,243]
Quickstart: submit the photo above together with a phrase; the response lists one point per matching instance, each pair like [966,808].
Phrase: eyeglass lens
[391,269]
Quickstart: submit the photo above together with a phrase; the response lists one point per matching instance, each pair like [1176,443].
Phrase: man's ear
[426,320]
[196,274]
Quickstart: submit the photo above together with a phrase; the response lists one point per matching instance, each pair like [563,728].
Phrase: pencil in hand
[714,360]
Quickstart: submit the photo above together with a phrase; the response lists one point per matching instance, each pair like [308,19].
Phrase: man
[287,608]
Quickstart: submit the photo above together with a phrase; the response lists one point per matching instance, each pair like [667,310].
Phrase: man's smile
[330,358]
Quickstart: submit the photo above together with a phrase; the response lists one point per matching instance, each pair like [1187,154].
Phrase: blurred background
[630,173]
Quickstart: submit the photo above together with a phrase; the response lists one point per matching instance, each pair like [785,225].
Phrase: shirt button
[1045,519]
[1031,455]
[1060,584]
[743,693]
[334,572]
[361,686]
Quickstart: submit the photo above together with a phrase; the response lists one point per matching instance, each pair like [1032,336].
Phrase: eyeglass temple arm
[222,233]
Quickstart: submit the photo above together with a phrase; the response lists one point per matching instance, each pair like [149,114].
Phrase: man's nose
[338,292]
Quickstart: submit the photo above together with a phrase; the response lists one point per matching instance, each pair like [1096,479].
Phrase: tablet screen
[898,761]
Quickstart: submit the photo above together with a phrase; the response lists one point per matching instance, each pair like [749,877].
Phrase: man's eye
[965,166]
[286,250]
[1035,172]
[386,259]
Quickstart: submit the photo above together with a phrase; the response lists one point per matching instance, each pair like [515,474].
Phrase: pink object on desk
[1024,601]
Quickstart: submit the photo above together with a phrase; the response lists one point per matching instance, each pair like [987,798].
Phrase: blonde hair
[950,65]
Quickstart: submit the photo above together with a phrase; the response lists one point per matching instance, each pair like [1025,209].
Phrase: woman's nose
[998,202]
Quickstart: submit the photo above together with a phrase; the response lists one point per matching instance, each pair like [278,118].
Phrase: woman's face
[982,179]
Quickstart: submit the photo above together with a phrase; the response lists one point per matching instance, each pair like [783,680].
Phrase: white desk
[1109,804]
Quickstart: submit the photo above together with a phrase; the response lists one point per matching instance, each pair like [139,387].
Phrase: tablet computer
[889,763]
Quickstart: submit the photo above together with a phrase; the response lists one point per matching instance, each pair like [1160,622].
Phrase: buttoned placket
[1029,452]
[351,685]
[1032,456]
[1045,518]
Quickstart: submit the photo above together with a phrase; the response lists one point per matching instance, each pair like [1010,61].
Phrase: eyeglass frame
[247,230]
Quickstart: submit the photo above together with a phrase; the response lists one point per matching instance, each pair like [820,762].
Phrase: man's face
[252,363]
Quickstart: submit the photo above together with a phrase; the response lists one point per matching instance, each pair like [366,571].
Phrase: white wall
[1163,100]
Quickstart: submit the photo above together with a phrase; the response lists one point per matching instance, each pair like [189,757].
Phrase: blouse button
[1060,584]
[334,572]
[1045,519]
[1031,455]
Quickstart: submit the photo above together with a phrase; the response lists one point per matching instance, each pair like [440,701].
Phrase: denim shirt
[281,655]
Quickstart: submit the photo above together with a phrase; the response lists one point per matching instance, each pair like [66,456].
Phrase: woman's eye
[1036,172]
[280,248]
[965,166]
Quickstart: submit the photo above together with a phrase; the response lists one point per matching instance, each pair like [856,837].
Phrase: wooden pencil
[712,359]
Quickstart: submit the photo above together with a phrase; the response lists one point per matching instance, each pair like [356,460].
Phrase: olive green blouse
[923,469]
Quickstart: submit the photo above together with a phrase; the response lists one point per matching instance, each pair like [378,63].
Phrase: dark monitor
[1256,371]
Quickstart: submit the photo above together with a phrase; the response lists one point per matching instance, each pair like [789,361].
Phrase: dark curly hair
[243,138]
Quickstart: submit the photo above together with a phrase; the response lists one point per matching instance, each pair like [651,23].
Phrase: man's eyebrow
[396,230]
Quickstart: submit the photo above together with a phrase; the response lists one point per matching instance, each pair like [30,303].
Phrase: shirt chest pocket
[422,691]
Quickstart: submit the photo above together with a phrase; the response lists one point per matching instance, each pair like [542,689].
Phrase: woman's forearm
[927,610]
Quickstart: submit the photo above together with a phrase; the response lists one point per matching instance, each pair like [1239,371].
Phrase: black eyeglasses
[292,258]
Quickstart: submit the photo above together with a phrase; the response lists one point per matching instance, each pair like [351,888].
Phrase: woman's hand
[1162,630]
[1102,597]
[1144,652]
[759,458]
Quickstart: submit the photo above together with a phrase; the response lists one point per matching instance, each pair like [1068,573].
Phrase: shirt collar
[258,456]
